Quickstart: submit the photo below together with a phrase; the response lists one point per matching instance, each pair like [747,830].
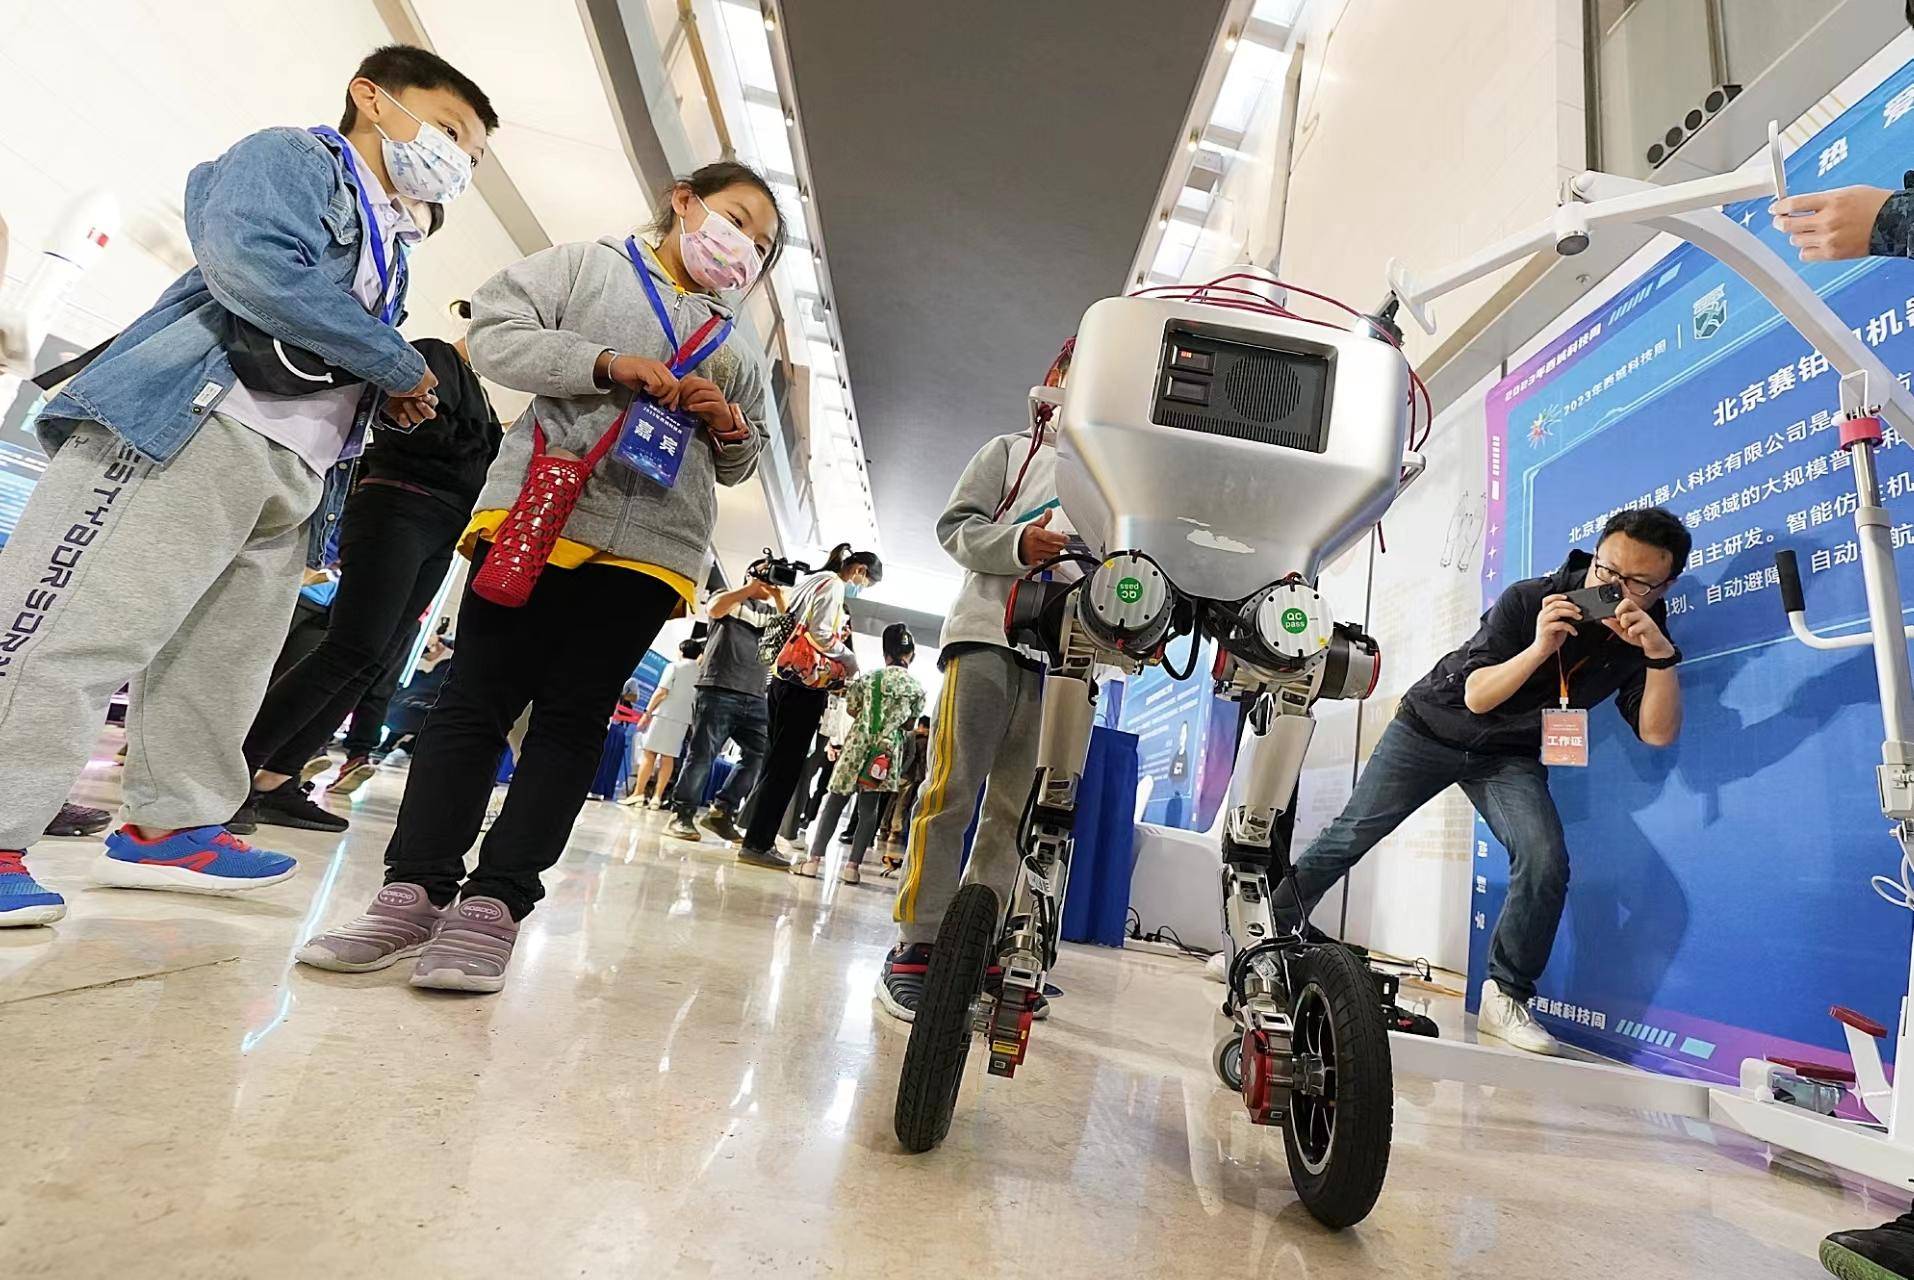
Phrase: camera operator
[731,702]
[1494,713]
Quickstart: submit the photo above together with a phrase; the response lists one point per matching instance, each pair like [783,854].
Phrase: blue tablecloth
[615,764]
[720,774]
[1096,907]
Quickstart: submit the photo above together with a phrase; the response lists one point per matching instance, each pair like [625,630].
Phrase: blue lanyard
[388,296]
[680,362]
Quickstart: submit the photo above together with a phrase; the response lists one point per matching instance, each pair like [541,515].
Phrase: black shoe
[78,820]
[719,824]
[1884,1253]
[290,805]
[770,859]
[245,819]
[1397,1018]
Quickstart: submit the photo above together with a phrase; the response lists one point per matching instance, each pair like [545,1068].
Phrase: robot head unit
[1234,446]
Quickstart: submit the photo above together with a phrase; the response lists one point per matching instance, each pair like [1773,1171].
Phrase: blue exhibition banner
[1720,899]
[1186,741]
[650,670]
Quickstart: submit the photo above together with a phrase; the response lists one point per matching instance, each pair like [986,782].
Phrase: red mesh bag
[525,538]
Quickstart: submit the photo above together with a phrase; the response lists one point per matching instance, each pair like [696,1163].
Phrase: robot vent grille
[1263,390]
[1256,387]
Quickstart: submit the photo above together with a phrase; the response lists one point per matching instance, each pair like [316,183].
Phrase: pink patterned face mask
[718,255]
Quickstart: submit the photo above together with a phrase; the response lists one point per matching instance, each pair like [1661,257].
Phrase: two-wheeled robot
[1215,450]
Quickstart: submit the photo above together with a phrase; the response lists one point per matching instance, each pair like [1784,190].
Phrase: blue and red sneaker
[23,900]
[900,987]
[202,860]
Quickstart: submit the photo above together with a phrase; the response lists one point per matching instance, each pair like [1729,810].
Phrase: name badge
[1565,738]
[654,440]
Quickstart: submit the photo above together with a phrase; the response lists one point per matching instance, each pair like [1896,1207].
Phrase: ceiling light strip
[1231,29]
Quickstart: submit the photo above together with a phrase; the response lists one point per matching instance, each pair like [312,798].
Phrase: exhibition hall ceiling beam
[490,180]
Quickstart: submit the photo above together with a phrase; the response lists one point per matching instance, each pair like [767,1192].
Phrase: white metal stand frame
[1883,1151]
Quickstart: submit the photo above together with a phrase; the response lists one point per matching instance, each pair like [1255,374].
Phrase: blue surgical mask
[853,588]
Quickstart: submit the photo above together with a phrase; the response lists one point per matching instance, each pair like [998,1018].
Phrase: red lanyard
[1566,672]
[692,343]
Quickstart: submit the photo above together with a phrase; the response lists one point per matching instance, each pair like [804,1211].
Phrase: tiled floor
[687,1077]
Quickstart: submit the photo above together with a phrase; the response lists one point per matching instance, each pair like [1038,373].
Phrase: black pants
[795,714]
[303,636]
[368,718]
[567,652]
[809,792]
[394,549]
[817,781]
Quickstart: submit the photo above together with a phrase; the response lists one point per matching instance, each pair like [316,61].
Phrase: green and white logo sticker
[1129,590]
[1295,621]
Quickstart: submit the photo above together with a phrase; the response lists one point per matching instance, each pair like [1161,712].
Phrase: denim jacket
[275,226]
[322,531]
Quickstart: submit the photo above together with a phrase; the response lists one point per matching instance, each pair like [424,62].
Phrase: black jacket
[446,456]
[1600,664]
[911,768]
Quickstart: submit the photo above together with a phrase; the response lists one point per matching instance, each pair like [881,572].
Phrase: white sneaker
[1511,1022]
[796,848]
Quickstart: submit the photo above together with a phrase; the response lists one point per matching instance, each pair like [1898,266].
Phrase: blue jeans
[720,715]
[1407,770]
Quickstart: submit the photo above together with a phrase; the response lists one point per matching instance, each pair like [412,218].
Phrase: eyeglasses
[1636,587]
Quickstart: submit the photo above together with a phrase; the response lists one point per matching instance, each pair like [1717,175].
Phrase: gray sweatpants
[181,578]
[983,735]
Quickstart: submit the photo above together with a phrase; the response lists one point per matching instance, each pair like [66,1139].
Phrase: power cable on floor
[1163,936]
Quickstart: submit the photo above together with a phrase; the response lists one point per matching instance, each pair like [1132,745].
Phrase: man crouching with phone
[1495,713]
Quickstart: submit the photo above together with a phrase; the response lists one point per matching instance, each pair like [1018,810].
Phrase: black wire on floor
[1164,936]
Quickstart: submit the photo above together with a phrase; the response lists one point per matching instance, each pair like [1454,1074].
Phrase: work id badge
[1565,738]
[654,440]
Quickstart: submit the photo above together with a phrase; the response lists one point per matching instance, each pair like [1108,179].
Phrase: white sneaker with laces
[1511,1022]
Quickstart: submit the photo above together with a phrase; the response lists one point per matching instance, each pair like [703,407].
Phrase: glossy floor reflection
[687,1077]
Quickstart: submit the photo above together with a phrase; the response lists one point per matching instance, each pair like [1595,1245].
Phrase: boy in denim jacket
[164,542]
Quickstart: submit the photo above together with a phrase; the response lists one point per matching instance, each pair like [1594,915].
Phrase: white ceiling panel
[558,138]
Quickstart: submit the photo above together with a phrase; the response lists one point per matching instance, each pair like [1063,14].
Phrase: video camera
[777,570]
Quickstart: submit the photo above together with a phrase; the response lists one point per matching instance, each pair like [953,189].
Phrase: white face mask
[430,167]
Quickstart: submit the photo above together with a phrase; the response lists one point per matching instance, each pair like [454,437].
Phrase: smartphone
[1596,602]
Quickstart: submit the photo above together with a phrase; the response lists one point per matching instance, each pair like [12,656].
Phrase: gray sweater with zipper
[1006,486]
[539,326]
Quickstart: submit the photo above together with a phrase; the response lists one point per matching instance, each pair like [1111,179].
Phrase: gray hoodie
[539,326]
[985,542]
